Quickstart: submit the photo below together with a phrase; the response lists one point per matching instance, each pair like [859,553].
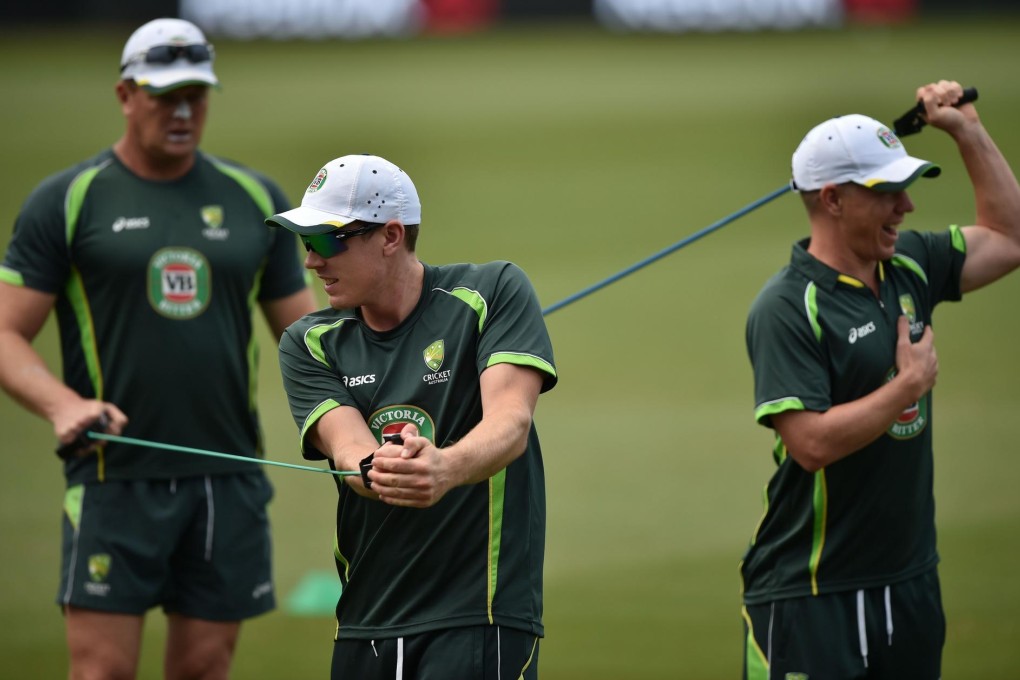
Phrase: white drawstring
[888,615]
[861,632]
[400,657]
[374,650]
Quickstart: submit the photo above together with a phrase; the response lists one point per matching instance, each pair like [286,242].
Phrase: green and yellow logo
[320,179]
[908,308]
[99,567]
[212,215]
[434,355]
[180,283]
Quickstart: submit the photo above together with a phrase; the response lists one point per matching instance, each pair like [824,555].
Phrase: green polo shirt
[155,286]
[816,339]
[474,558]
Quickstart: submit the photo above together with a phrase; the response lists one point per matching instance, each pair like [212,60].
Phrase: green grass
[575,153]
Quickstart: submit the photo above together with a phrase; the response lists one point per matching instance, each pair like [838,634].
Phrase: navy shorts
[475,652]
[895,631]
[197,546]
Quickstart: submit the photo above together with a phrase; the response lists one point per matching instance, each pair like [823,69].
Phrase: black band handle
[912,122]
[366,463]
[71,449]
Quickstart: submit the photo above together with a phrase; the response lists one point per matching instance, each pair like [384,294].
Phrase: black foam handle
[83,441]
[912,122]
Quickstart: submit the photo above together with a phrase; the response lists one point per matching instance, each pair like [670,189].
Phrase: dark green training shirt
[474,558]
[155,285]
[817,339]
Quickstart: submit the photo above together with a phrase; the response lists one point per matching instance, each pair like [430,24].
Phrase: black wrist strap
[366,465]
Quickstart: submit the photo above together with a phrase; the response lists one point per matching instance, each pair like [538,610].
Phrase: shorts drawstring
[888,614]
[861,630]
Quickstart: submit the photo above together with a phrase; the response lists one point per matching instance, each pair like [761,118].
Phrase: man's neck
[147,167]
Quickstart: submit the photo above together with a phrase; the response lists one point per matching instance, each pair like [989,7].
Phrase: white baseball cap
[356,187]
[856,149]
[168,53]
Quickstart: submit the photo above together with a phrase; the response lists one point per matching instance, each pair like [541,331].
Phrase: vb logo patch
[434,355]
[320,179]
[179,283]
[392,419]
[912,421]
[888,137]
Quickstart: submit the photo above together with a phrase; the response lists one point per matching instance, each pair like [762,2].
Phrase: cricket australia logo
[320,179]
[433,356]
[392,419]
[910,311]
[179,283]
[212,215]
[99,569]
[912,421]
[888,138]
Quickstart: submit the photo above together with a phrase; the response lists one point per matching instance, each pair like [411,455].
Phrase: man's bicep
[24,310]
[510,386]
[990,256]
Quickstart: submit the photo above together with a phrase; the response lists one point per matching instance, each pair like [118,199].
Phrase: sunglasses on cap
[332,243]
[168,54]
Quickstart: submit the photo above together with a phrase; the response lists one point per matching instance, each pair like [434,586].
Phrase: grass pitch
[575,153]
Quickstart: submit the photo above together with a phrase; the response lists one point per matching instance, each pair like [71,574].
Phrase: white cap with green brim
[856,149]
[353,188]
[165,54]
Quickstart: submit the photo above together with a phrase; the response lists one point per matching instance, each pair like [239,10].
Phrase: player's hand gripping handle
[911,121]
[69,450]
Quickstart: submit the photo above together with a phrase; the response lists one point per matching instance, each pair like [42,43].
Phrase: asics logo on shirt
[359,380]
[861,331]
[123,223]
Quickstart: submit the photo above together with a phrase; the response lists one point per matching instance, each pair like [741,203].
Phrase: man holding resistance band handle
[440,544]
[840,580]
[153,255]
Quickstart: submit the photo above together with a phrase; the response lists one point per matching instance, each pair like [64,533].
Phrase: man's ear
[394,234]
[830,199]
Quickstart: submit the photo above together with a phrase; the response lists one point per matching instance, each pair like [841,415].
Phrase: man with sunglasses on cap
[153,255]
[840,579]
[424,379]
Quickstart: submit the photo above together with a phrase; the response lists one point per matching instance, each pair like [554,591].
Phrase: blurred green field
[575,152]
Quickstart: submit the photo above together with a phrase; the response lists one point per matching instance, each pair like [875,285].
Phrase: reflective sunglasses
[332,243]
[168,54]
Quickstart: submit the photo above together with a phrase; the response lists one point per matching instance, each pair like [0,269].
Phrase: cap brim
[309,221]
[157,82]
[901,174]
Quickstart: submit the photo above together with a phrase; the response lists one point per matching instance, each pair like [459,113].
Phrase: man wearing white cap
[440,540]
[153,256]
[840,579]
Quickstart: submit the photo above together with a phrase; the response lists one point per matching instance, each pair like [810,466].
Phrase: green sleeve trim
[904,262]
[8,275]
[811,307]
[250,184]
[340,558]
[313,339]
[474,300]
[313,417]
[497,494]
[956,235]
[521,359]
[770,408]
[821,508]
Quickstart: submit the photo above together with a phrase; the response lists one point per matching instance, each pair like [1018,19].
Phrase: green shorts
[476,652]
[896,631]
[197,546]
